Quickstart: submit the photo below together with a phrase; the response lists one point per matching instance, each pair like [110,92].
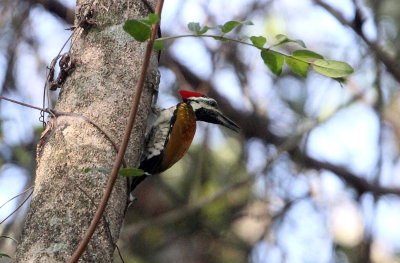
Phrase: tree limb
[58,9]
[386,59]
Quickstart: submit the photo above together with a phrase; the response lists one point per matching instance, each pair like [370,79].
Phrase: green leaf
[258,41]
[306,54]
[300,59]
[154,18]
[138,30]
[150,19]
[300,42]
[273,60]
[230,25]
[282,39]
[298,66]
[204,30]
[158,44]
[4,255]
[195,27]
[127,172]
[332,68]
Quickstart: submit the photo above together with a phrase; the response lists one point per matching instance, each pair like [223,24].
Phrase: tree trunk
[98,92]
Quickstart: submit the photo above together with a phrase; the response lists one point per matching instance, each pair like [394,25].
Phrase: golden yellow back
[181,136]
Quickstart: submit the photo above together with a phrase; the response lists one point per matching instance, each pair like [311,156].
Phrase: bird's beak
[215,116]
[225,121]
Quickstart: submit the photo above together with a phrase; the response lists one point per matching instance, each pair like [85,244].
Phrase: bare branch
[357,182]
[23,192]
[186,210]
[386,59]
[17,208]
[57,8]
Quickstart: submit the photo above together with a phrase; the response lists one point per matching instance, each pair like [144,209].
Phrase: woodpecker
[173,131]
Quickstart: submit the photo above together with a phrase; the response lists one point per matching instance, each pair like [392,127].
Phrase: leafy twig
[299,61]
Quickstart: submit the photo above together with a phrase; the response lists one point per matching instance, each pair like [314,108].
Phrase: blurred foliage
[204,232]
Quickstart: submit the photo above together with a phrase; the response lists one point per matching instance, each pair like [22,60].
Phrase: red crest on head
[187,94]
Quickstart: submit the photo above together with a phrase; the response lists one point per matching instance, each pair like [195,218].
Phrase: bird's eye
[214,104]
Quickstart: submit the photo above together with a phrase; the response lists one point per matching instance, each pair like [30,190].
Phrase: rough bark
[101,89]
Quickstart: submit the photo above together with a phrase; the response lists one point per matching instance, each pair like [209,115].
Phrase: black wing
[151,165]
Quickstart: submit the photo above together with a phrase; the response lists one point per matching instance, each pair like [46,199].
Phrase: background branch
[391,64]
[254,125]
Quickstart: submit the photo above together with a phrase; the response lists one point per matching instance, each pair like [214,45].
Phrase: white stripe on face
[203,102]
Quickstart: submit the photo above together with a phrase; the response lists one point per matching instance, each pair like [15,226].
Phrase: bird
[173,130]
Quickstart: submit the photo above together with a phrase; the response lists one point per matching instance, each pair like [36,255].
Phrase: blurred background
[312,177]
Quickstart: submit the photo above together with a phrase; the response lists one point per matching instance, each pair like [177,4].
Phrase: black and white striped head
[206,109]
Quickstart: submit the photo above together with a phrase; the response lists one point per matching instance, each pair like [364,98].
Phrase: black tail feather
[136,181]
